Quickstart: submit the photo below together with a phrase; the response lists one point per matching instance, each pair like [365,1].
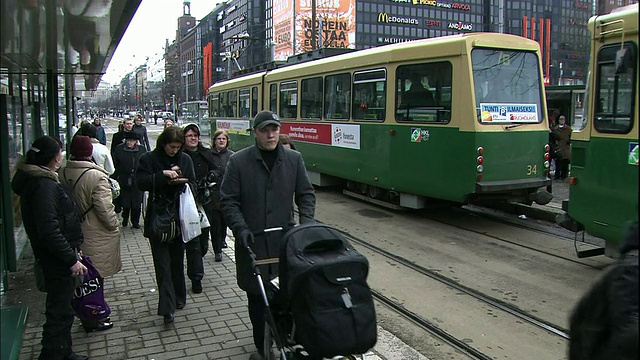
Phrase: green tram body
[603,193]
[411,161]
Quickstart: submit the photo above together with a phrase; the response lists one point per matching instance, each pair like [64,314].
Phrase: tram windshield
[507,87]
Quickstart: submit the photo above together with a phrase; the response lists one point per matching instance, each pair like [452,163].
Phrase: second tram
[603,192]
[459,118]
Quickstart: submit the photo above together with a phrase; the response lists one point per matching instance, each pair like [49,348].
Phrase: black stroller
[320,305]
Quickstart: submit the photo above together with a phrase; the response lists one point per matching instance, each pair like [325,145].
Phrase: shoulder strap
[84,213]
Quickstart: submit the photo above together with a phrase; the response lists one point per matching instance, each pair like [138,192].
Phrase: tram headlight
[546,164]
[547,156]
[480,160]
[480,150]
[479,168]
[547,148]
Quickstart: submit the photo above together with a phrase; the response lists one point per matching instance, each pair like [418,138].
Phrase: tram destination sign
[509,113]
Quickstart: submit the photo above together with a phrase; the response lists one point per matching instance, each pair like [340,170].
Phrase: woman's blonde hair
[218,133]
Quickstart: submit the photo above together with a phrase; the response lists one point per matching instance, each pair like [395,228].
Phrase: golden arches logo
[383,17]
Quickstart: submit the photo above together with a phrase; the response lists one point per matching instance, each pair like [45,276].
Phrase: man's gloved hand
[246,237]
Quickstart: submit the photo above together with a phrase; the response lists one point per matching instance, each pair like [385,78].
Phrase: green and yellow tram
[603,193]
[459,118]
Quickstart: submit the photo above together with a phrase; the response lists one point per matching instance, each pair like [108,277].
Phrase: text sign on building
[384,17]
[335,24]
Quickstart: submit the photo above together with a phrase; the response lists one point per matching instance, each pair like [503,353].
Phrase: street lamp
[186,80]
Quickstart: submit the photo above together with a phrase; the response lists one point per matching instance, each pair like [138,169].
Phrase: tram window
[244,103]
[273,98]
[311,98]
[288,99]
[504,80]
[254,101]
[615,92]
[214,103]
[337,96]
[369,102]
[233,103]
[423,92]
[223,105]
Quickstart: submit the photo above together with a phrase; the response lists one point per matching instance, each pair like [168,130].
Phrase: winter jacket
[49,218]
[102,156]
[604,324]
[563,139]
[150,174]
[204,164]
[126,161]
[141,130]
[100,226]
[100,134]
[255,198]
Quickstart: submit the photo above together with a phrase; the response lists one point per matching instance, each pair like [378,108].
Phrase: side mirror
[623,60]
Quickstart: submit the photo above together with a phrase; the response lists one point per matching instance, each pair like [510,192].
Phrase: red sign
[306,132]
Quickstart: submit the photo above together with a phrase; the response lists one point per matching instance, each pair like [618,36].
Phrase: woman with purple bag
[100,224]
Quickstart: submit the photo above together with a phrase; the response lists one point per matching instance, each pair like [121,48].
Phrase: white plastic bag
[204,220]
[189,216]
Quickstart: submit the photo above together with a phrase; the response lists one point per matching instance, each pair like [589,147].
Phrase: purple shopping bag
[88,299]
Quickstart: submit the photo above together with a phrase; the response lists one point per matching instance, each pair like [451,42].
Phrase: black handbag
[162,217]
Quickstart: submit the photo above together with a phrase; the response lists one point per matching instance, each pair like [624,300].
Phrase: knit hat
[43,150]
[265,118]
[194,127]
[81,147]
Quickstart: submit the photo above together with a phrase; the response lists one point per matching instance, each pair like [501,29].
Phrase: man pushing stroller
[259,185]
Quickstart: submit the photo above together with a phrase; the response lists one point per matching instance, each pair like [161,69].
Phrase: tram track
[445,220]
[489,300]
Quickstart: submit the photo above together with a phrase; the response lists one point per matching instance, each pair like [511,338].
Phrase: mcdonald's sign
[384,17]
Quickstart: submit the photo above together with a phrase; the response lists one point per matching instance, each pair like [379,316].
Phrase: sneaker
[196,286]
[218,257]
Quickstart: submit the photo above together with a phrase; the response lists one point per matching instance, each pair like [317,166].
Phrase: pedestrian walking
[126,159]
[221,155]
[141,130]
[562,134]
[163,172]
[54,237]
[92,193]
[101,135]
[118,138]
[204,166]
[257,188]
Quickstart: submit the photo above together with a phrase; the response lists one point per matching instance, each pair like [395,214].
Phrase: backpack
[69,185]
[323,282]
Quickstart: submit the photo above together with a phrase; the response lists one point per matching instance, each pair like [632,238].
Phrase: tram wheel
[375,192]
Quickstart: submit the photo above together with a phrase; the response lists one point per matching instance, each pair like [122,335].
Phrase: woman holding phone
[164,172]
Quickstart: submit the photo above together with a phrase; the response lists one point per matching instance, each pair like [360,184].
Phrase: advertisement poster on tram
[283,29]
[335,23]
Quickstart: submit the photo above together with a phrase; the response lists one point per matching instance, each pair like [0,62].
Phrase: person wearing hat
[118,138]
[101,154]
[92,193]
[256,192]
[53,238]
[126,157]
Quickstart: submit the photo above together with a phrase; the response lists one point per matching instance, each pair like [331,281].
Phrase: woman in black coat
[126,157]
[53,227]
[163,172]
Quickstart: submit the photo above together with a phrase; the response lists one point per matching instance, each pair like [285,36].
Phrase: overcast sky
[153,23]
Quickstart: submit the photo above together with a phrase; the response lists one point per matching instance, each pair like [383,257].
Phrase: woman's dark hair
[89,130]
[43,150]
[285,139]
[169,135]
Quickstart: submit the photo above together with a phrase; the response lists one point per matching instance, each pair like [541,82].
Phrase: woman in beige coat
[100,226]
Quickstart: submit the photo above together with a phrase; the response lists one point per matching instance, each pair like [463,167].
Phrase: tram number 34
[532,169]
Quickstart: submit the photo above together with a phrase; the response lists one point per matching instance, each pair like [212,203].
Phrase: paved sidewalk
[213,325]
